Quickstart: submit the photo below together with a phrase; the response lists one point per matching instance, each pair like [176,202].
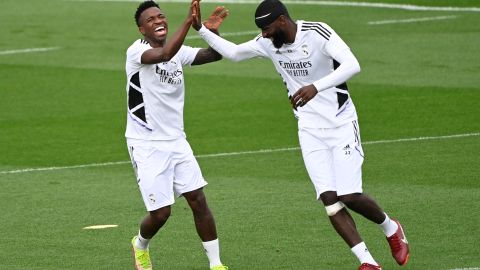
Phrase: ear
[282,19]
[142,30]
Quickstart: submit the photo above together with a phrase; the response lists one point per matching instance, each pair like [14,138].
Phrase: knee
[329,197]
[349,200]
[197,201]
[332,203]
[161,215]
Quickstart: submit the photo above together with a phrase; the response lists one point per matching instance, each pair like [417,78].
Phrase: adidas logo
[347,147]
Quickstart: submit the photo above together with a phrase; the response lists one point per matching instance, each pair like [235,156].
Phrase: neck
[153,43]
[291,31]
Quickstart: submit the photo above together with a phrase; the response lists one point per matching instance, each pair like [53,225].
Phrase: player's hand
[303,95]
[215,20]
[196,15]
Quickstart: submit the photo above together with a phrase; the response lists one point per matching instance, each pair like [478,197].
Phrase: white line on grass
[239,153]
[29,50]
[256,32]
[230,34]
[310,2]
[412,20]
[99,227]
[65,167]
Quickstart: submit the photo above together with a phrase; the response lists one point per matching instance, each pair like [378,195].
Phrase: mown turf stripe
[239,153]
[319,3]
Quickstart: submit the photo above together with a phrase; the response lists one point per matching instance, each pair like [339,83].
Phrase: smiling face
[154,26]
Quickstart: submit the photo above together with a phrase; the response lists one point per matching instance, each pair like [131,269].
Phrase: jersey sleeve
[187,55]
[231,50]
[335,45]
[134,54]
[338,50]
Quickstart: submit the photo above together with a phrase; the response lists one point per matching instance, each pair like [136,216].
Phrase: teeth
[160,28]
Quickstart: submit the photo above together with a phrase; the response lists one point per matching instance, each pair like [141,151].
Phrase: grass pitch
[66,107]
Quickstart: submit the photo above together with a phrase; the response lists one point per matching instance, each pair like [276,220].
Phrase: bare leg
[204,221]
[154,221]
[205,225]
[365,206]
[342,221]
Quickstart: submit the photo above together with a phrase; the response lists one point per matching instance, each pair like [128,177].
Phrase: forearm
[171,47]
[349,66]
[205,56]
[226,48]
[175,43]
[217,55]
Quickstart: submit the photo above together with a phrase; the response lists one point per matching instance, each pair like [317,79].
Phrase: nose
[158,20]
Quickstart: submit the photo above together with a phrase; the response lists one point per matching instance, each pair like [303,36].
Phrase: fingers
[218,11]
[221,12]
[216,19]
[303,96]
[194,9]
[299,99]
[195,14]
[224,14]
[195,5]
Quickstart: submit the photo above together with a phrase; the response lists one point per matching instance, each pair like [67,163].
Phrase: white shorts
[164,169]
[333,158]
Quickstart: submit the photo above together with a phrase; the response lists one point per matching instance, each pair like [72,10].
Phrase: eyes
[152,18]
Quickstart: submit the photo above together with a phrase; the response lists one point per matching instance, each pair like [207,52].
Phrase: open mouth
[161,30]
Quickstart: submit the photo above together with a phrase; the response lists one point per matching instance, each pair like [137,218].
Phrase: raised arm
[171,47]
[213,23]
[226,48]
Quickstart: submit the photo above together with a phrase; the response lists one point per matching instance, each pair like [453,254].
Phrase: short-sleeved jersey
[156,94]
[310,58]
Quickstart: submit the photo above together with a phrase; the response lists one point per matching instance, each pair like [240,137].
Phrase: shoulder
[186,54]
[138,45]
[319,29]
[261,40]
[264,43]
[186,50]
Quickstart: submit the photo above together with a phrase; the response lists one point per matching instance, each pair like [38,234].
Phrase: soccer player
[163,160]
[315,63]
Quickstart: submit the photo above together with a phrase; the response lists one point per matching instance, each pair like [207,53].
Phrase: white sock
[141,243]
[212,249]
[388,226]
[362,253]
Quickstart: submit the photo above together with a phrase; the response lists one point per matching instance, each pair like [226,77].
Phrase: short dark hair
[142,7]
[268,11]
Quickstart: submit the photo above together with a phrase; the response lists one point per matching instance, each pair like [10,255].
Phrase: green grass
[67,107]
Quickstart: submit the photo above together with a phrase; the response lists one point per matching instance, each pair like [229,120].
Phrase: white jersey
[310,58]
[156,94]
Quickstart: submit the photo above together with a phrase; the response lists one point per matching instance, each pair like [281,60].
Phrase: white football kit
[328,131]
[162,158]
